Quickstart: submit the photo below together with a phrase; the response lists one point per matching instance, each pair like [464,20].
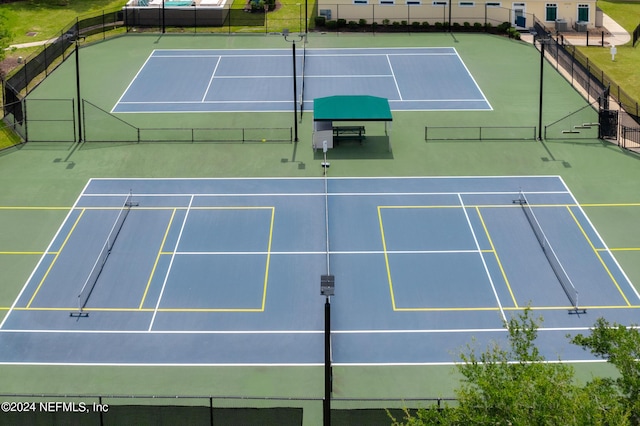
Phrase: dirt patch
[7,65]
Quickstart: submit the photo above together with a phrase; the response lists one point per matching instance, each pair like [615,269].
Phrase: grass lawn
[46,18]
[624,71]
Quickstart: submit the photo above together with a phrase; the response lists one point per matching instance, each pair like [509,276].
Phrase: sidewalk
[615,35]
[30,44]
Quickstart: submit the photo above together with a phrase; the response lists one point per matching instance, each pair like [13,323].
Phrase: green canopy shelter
[340,108]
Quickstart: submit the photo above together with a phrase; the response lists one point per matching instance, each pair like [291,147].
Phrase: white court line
[198,103]
[213,74]
[473,79]
[160,364]
[166,277]
[395,81]
[269,332]
[315,194]
[306,253]
[484,263]
[310,52]
[135,77]
[593,228]
[44,255]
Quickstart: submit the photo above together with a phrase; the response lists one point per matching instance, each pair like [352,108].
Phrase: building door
[518,17]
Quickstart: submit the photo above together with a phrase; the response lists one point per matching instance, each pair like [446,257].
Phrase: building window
[387,2]
[583,12]
[551,12]
[466,4]
[414,2]
[493,4]
[360,1]
[439,3]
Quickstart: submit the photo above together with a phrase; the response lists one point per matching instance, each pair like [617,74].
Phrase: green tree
[518,386]
[620,346]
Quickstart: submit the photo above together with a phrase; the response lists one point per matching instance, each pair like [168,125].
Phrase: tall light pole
[300,37]
[542,42]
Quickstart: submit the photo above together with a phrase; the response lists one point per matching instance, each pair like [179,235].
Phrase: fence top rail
[219,397]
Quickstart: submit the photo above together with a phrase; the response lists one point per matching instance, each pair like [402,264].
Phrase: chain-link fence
[597,88]
[101,410]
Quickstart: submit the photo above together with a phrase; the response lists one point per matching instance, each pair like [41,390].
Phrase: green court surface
[41,181]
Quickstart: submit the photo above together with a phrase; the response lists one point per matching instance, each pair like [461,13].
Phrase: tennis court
[198,80]
[227,271]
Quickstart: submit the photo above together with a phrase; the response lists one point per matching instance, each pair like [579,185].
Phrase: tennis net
[92,279]
[547,249]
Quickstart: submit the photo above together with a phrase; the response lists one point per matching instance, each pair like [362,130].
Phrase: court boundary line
[166,276]
[213,75]
[295,331]
[597,253]
[484,261]
[495,254]
[235,310]
[131,83]
[155,263]
[369,364]
[48,249]
[602,242]
[55,258]
[386,53]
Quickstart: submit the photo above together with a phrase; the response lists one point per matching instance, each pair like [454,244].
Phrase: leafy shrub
[341,22]
[320,21]
[503,28]
[332,25]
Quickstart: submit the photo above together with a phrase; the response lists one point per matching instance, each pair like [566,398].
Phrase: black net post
[327,289]
[327,363]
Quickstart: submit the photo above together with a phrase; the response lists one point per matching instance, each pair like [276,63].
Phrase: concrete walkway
[616,36]
[30,44]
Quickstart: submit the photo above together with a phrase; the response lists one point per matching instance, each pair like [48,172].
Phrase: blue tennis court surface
[227,272]
[262,80]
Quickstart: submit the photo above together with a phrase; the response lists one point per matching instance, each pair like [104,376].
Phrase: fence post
[24,119]
[211,410]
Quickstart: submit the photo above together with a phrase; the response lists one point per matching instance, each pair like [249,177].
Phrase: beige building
[563,15]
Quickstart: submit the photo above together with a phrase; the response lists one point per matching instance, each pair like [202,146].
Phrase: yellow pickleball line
[266,272]
[35,293]
[495,253]
[604,265]
[386,258]
[155,264]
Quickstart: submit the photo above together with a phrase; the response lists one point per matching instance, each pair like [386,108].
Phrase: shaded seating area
[339,118]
